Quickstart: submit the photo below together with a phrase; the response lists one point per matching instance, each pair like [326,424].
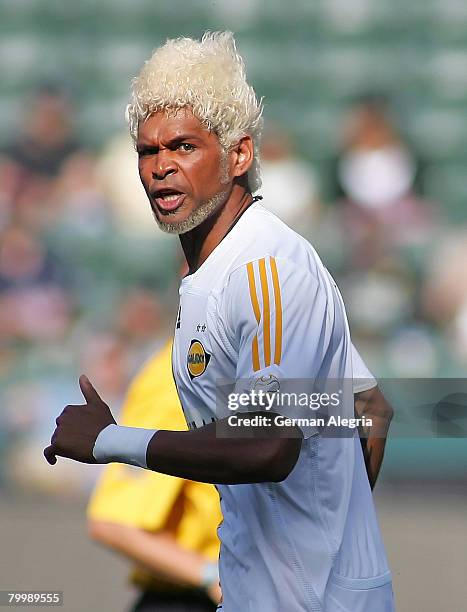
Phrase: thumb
[50,455]
[88,391]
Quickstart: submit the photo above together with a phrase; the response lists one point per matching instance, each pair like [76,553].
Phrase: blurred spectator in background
[289,184]
[45,141]
[446,288]
[376,174]
[35,157]
[444,295]
[34,303]
[377,237]
[83,210]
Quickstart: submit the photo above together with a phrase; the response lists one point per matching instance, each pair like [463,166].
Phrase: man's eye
[146,152]
[186,146]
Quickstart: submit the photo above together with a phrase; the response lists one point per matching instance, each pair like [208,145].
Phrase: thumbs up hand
[78,427]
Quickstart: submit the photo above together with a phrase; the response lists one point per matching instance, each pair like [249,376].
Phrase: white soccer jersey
[263,304]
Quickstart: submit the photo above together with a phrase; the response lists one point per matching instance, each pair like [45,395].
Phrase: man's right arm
[88,433]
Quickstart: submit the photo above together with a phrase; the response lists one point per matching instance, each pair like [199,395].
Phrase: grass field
[44,547]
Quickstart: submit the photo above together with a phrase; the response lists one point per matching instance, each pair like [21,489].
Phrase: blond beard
[205,209]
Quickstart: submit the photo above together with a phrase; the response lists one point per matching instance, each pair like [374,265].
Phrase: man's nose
[164,165]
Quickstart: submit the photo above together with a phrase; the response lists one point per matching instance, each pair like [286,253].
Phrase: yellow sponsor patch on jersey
[197,359]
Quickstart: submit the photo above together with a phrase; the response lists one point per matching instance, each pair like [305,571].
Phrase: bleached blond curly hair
[207,76]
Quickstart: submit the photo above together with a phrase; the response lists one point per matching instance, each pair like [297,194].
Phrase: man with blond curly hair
[259,319]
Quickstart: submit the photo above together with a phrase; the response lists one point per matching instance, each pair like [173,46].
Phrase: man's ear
[243,153]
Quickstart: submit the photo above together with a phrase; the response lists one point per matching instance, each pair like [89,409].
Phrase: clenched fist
[78,427]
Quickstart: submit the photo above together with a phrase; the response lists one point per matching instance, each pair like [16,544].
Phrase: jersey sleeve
[278,320]
[363,379]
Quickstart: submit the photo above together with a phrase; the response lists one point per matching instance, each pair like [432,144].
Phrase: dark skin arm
[373,404]
[201,455]
[195,455]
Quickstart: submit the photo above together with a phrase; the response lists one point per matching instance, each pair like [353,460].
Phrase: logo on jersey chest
[197,359]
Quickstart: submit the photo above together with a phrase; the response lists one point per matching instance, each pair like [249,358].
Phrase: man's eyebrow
[182,138]
[143,143]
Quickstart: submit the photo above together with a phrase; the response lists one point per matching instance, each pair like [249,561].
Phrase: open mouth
[168,200]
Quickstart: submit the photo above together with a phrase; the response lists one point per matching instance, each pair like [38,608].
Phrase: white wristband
[123,445]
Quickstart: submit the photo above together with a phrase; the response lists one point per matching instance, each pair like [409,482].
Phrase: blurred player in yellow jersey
[165,525]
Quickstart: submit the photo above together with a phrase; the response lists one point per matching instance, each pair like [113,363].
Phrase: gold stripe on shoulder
[278,309]
[253,295]
[256,310]
[255,353]
[266,312]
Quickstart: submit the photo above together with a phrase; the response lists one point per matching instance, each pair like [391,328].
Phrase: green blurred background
[365,154]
